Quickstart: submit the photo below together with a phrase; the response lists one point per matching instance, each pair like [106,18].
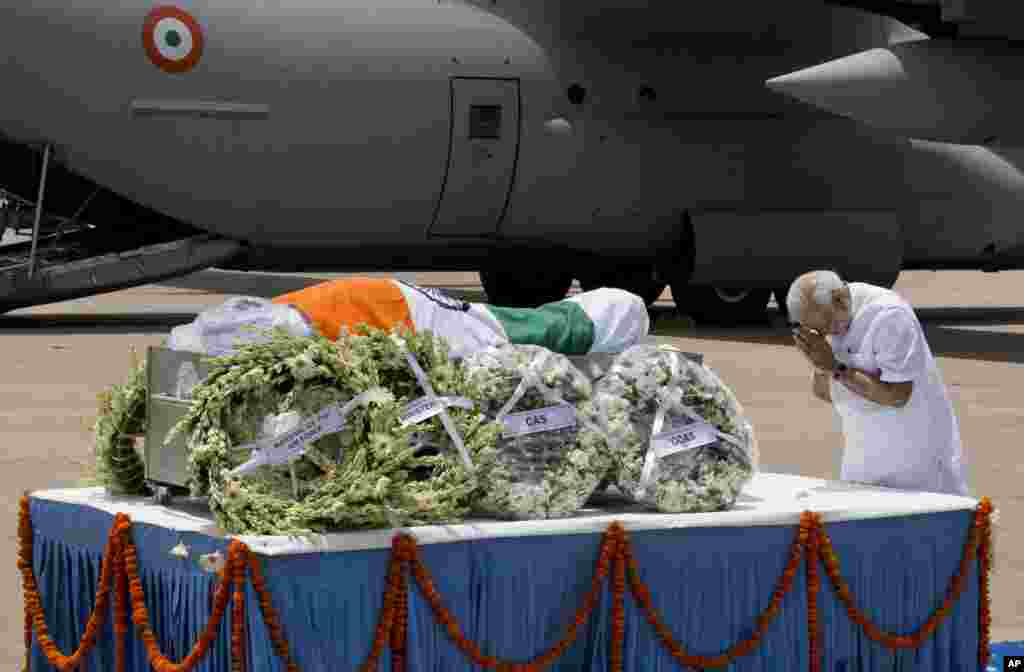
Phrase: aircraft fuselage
[411,134]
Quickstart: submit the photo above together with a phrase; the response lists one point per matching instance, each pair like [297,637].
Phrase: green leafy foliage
[122,413]
[375,473]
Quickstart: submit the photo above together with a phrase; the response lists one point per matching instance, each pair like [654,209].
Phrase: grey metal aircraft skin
[538,140]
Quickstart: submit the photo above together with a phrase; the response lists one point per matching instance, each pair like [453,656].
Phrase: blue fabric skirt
[515,597]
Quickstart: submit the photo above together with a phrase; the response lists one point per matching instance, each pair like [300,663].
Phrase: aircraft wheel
[646,283]
[716,305]
[528,288]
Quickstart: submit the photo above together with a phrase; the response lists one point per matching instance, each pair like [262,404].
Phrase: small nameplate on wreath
[295,444]
[683,436]
[546,419]
[419,410]
[424,408]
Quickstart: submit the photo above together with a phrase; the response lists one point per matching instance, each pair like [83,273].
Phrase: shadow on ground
[269,285]
[243,283]
[105,323]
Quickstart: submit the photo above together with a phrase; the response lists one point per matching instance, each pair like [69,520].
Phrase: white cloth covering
[239,320]
[620,318]
[916,447]
[769,499]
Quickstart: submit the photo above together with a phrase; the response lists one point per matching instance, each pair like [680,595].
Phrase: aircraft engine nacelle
[663,62]
[948,91]
[770,248]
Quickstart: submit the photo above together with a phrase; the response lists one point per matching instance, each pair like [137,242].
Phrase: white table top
[769,499]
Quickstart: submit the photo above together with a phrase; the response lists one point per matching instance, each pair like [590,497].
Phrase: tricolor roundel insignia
[173,39]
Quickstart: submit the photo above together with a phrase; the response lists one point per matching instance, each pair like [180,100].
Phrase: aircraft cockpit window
[485,122]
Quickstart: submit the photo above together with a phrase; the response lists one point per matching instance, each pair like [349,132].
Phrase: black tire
[525,289]
[711,305]
[644,282]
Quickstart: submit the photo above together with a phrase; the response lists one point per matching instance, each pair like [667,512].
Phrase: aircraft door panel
[484,147]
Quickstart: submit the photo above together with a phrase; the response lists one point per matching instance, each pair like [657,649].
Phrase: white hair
[825,283]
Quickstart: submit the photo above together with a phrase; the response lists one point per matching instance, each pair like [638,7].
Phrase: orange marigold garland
[873,632]
[25,567]
[609,549]
[743,648]
[236,568]
[140,615]
[983,524]
[813,585]
[121,598]
[270,617]
[387,611]
[34,605]
[120,574]
[618,606]
[400,620]
[28,640]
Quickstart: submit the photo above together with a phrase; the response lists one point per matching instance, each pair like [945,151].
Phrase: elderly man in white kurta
[880,376]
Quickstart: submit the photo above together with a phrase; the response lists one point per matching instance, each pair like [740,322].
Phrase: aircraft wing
[570,21]
[545,20]
[958,88]
[672,62]
[867,60]
[950,18]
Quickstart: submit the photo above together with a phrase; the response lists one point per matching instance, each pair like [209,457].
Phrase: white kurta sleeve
[899,345]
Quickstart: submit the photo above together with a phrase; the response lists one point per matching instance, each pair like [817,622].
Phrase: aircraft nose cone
[850,86]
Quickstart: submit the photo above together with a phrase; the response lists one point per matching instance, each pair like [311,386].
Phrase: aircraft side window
[485,122]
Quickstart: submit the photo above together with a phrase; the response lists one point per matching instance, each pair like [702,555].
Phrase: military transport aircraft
[720,148]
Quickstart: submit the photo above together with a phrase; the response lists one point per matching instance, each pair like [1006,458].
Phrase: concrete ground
[58,358]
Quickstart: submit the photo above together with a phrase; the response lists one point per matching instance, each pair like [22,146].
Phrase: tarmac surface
[58,358]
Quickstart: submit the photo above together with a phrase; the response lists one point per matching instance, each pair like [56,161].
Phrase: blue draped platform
[515,594]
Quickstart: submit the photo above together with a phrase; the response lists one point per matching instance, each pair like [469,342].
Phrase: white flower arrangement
[371,474]
[542,474]
[380,471]
[683,470]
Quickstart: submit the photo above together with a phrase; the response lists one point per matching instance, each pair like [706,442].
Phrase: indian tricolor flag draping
[603,320]
[350,301]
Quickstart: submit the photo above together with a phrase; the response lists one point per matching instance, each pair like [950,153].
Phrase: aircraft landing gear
[645,282]
[527,288]
[718,305]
